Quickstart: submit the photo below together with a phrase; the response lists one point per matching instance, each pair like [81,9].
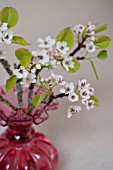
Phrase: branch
[19,94]
[6,65]
[7,103]
[80,45]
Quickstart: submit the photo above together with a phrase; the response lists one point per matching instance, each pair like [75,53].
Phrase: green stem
[7,103]
[19,94]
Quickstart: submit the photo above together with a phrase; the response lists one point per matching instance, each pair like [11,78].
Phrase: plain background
[84,142]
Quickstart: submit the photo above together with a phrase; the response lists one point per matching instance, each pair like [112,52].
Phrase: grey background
[84,142]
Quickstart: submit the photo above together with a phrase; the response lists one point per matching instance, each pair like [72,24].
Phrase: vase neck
[20,132]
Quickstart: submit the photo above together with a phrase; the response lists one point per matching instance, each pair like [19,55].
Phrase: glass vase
[21,148]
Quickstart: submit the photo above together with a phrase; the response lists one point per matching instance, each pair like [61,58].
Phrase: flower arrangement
[50,55]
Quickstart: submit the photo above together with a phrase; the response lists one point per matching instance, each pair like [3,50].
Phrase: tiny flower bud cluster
[52,53]
[5,34]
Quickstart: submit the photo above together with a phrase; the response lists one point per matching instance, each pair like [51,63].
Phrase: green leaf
[76,66]
[102,41]
[9,15]
[102,28]
[19,40]
[10,83]
[94,68]
[102,55]
[24,56]
[38,99]
[95,100]
[66,35]
[84,32]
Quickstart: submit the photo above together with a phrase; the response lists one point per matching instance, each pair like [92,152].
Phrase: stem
[6,65]
[30,104]
[19,94]
[30,94]
[78,48]
[7,103]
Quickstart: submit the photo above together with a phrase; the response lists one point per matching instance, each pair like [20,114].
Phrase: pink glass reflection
[21,148]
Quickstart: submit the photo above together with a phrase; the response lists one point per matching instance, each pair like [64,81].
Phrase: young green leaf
[38,99]
[66,35]
[94,68]
[95,100]
[84,32]
[19,40]
[102,28]
[102,41]
[24,56]
[9,15]
[10,83]
[102,55]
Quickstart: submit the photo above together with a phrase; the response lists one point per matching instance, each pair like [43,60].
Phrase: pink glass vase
[21,148]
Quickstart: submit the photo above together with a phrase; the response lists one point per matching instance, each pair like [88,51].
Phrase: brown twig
[80,45]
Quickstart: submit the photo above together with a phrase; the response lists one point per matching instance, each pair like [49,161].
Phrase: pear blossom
[48,42]
[73,110]
[31,78]
[68,63]
[85,93]
[73,97]
[69,87]
[89,104]
[58,79]
[7,37]
[90,30]
[42,57]
[21,72]
[90,47]
[81,84]
[3,26]
[62,47]
[79,29]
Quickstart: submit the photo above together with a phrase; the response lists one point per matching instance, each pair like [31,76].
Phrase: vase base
[36,153]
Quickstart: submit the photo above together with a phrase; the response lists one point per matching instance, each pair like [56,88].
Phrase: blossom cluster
[52,53]
[89,31]
[5,34]
[82,92]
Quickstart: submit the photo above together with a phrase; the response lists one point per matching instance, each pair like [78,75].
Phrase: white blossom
[21,72]
[62,47]
[58,79]
[69,87]
[89,104]
[31,78]
[90,30]
[73,110]
[38,66]
[7,37]
[90,47]
[48,42]
[73,97]
[79,29]
[68,63]
[85,93]
[3,26]
[81,84]
[42,57]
